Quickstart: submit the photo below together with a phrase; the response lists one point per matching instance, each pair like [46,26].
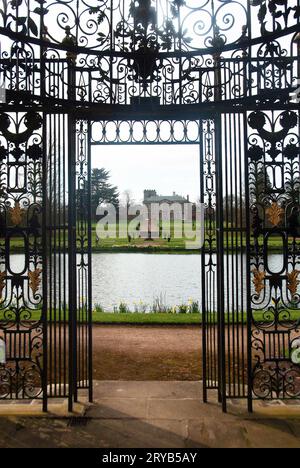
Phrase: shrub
[98,308]
[123,308]
[194,307]
[183,309]
[140,307]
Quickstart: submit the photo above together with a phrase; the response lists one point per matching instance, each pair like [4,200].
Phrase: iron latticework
[216,73]
[22,318]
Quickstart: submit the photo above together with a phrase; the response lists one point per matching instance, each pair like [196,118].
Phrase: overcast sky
[164,168]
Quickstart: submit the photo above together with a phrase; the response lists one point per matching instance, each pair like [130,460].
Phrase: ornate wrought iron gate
[87,72]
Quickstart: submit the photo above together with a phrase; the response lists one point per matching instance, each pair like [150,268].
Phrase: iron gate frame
[76,99]
[214,120]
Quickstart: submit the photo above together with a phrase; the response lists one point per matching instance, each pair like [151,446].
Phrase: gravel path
[147,352]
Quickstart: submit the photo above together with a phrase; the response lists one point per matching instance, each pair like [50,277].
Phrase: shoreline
[154,250]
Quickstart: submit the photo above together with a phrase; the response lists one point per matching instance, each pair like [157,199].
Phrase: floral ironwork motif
[16,214]
[275,214]
[35,279]
[293,281]
[258,280]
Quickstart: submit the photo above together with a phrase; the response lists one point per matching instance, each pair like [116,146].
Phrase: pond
[175,279]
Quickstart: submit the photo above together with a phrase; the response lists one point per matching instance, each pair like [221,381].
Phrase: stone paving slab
[150,389]
[34,409]
[119,408]
[155,415]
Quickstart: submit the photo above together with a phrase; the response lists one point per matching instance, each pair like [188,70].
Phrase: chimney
[149,193]
[174,193]
[188,198]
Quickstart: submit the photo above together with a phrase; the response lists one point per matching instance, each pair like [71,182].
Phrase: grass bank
[163,318]
[182,319]
[232,243]
[138,318]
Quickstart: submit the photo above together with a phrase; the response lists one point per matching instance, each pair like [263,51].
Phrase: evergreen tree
[260,185]
[234,210]
[102,191]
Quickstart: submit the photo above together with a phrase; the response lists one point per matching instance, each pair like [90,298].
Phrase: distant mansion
[150,196]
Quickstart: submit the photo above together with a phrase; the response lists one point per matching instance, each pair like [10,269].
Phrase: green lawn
[137,318]
[129,318]
[232,243]
[167,318]
[159,318]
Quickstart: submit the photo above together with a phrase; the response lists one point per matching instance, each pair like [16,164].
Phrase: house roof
[168,198]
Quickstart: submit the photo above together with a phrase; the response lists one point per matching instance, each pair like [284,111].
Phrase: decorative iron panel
[155,51]
[84,257]
[210,338]
[145,131]
[22,318]
[273,155]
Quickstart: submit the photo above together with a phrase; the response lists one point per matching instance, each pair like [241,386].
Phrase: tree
[128,198]
[292,189]
[234,210]
[101,190]
[260,185]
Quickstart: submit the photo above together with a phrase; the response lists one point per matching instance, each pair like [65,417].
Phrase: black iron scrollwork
[144,48]
[274,193]
[232,60]
[20,290]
